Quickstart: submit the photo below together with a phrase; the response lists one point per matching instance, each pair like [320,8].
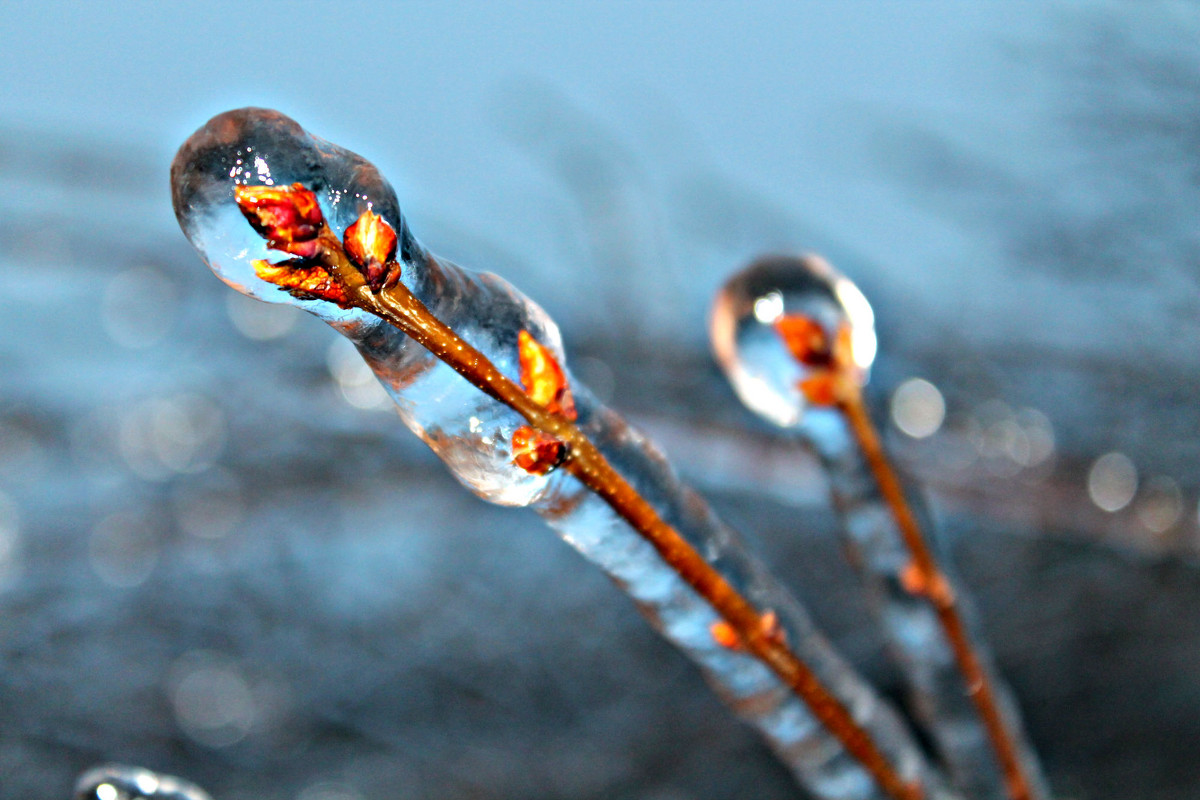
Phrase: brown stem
[936,586]
[402,309]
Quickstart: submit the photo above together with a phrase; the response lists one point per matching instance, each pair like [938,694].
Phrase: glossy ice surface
[473,433]
[750,350]
[119,782]
[764,374]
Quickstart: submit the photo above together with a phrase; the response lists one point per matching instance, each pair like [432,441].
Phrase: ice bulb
[782,321]
[119,782]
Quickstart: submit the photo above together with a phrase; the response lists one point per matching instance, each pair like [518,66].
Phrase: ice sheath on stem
[615,499]
[797,340]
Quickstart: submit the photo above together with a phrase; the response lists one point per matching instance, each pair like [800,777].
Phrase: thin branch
[927,579]
[398,306]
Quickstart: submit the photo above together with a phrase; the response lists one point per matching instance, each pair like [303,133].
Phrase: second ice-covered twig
[796,340]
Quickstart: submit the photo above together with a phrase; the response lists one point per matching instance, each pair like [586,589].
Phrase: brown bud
[536,452]
[821,388]
[288,217]
[724,634]
[371,245]
[805,339]
[542,377]
[303,280]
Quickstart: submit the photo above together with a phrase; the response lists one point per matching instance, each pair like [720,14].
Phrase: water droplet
[763,371]
[918,408]
[1112,481]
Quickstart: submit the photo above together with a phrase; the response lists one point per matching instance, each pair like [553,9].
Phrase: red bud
[288,217]
[371,245]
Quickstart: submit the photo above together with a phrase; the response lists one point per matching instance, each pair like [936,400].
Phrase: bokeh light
[1112,481]
[918,408]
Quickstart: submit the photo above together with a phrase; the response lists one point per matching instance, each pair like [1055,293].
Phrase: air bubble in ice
[751,351]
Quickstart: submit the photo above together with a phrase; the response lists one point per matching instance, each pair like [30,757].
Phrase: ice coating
[468,429]
[761,370]
[119,782]
[750,350]
[472,433]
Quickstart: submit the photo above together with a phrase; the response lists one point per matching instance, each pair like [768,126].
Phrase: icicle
[783,330]
[118,782]
[474,434]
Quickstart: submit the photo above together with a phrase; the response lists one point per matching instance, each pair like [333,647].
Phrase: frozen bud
[725,635]
[542,377]
[536,452]
[288,217]
[371,246]
[833,371]
[805,339]
[303,280]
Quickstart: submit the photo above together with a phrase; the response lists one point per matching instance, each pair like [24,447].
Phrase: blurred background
[222,557]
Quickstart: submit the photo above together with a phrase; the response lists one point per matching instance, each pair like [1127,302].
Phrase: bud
[303,280]
[542,377]
[371,246]
[821,388]
[536,452]
[288,217]
[724,634]
[805,339]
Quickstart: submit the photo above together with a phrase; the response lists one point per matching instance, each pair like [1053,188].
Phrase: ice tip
[200,151]
[252,149]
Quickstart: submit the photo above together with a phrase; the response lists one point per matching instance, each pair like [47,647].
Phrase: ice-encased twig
[473,432]
[911,626]
[593,528]
[796,340]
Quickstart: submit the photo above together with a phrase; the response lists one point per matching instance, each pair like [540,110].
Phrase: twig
[401,308]
[927,579]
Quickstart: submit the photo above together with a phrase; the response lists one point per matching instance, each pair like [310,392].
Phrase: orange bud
[821,388]
[914,581]
[288,217]
[303,280]
[371,245]
[805,339]
[724,634]
[542,377]
[771,628]
[536,452]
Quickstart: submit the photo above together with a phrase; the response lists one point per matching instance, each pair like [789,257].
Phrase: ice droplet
[120,782]
[764,373]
